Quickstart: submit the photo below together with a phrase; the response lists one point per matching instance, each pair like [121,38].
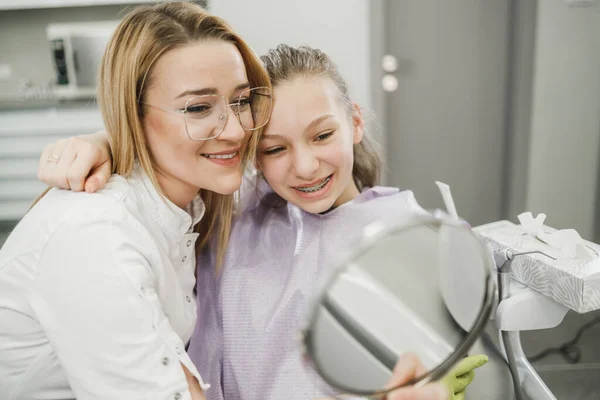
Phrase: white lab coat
[97,296]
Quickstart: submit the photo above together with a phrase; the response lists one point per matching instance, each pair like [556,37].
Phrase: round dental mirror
[422,286]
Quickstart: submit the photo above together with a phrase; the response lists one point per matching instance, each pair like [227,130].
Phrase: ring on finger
[52,159]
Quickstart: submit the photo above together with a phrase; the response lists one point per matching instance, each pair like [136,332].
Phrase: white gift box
[571,281]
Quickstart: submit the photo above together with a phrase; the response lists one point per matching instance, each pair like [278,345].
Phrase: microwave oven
[77,50]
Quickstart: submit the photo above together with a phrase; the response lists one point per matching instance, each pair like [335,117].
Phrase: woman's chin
[227,187]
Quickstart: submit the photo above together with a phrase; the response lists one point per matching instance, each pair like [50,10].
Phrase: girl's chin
[315,206]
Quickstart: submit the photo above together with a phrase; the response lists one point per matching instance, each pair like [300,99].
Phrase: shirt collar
[196,210]
[172,219]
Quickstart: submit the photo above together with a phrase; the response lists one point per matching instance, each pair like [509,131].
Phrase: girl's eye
[273,151]
[324,136]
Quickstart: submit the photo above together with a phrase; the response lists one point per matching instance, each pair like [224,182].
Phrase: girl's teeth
[314,188]
[222,156]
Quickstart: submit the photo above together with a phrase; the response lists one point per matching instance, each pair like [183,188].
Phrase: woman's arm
[77,163]
[96,298]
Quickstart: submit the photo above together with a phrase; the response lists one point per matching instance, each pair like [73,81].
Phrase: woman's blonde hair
[143,36]
[285,63]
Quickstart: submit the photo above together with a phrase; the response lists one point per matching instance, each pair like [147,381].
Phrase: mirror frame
[371,235]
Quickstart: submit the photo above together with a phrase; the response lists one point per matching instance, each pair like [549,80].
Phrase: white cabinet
[27,4]
[23,136]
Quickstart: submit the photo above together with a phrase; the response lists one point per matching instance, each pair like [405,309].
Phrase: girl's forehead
[312,85]
[304,98]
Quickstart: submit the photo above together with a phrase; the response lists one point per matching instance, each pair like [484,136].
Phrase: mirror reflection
[394,296]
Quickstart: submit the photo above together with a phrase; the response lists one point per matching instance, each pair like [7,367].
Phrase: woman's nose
[232,131]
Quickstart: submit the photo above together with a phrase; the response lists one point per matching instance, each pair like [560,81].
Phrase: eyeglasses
[205,116]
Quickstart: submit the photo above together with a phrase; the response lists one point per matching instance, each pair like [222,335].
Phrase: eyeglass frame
[177,111]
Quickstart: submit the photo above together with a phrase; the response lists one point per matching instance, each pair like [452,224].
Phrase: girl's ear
[358,123]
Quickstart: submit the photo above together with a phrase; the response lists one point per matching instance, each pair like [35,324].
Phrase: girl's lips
[317,193]
[311,184]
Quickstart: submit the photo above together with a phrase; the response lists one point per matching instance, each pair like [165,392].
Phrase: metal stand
[525,378]
[530,382]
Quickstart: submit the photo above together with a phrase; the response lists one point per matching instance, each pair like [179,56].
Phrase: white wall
[338,27]
[565,119]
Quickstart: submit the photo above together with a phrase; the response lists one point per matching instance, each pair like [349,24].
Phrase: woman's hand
[77,163]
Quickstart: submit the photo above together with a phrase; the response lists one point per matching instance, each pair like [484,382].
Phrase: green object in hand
[462,375]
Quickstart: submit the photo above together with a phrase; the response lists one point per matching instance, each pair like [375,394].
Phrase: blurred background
[498,98]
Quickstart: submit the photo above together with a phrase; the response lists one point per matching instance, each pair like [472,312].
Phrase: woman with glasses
[97,295]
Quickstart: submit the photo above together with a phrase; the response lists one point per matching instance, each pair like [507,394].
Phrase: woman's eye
[199,110]
[274,150]
[324,136]
[244,103]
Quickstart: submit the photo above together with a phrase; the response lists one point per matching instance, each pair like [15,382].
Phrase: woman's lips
[225,158]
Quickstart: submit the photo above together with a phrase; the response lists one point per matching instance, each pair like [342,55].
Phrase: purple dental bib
[245,343]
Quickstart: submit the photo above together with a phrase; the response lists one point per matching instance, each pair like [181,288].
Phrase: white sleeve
[94,295]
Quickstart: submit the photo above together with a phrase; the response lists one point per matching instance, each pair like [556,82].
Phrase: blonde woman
[97,293]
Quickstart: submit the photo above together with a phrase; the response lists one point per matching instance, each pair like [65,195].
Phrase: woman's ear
[358,123]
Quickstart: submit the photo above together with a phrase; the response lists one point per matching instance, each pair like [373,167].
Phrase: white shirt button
[184,259]
[166,361]
[189,243]
[177,396]
[177,350]
[188,299]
